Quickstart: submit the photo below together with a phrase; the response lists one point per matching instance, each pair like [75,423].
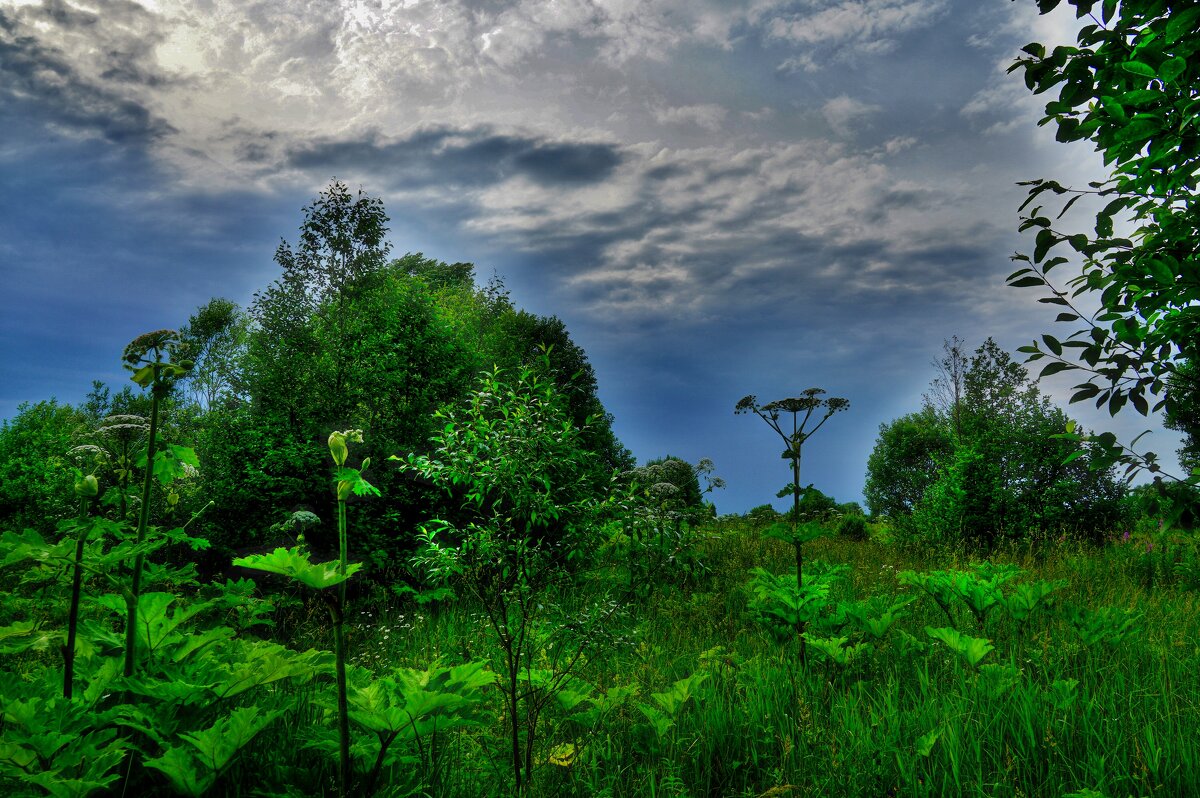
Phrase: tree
[1129,87]
[215,339]
[532,503]
[678,473]
[341,248]
[35,474]
[341,245]
[522,338]
[904,462]
[946,391]
[1003,475]
[436,274]
[1183,411]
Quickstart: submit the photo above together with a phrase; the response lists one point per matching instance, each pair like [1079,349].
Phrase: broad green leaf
[294,564]
[1182,23]
[673,699]
[193,770]
[1139,68]
[924,744]
[266,663]
[971,649]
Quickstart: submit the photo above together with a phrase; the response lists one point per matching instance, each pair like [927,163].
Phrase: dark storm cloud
[36,79]
[472,158]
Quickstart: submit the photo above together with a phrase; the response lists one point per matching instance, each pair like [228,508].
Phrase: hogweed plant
[802,409]
[117,436]
[294,563]
[148,357]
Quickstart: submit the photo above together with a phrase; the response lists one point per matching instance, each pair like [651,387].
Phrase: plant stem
[143,521]
[799,544]
[76,588]
[337,611]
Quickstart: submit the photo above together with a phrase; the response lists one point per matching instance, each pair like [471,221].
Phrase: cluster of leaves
[529,503]
[1128,87]
[984,460]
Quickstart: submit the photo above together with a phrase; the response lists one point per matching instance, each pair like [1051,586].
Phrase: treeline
[346,338]
[986,460]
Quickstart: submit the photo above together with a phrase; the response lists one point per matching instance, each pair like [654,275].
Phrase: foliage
[1129,88]
[813,506]
[801,408]
[1183,411]
[525,340]
[988,468]
[35,481]
[763,514]
[904,462]
[215,339]
[853,527]
[530,503]
[672,472]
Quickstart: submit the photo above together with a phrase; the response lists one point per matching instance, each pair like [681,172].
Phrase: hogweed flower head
[149,358]
[338,444]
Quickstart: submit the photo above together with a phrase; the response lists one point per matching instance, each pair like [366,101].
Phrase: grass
[683,693]
[1043,715]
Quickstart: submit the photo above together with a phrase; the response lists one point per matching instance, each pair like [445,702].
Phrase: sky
[718,198]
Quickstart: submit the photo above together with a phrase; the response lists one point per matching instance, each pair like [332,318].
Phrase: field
[680,680]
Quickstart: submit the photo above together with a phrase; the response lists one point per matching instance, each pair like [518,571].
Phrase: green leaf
[1181,24]
[193,770]
[1139,68]
[294,564]
[924,744]
[144,376]
[1161,272]
[1042,243]
[971,649]
[1055,368]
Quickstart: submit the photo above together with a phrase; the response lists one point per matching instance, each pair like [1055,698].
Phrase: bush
[763,514]
[852,527]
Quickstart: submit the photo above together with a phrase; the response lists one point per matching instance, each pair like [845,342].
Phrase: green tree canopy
[215,339]
[1129,86]
[904,462]
[1000,475]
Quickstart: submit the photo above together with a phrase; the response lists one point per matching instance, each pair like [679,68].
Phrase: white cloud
[844,113]
[859,26]
[706,115]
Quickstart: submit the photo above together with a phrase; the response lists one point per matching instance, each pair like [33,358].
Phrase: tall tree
[341,249]
[945,393]
[1002,475]
[1183,411]
[904,462]
[1130,88]
[215,339]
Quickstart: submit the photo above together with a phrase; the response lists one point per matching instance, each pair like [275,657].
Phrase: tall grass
[1044,714]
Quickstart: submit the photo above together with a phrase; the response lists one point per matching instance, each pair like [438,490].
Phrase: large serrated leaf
[294,564]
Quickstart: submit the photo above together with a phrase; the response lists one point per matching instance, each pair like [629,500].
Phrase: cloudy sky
[719,198]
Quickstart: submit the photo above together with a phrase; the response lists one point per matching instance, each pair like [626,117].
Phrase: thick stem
[339,652]
[76,589]
[799,550]
[143,521]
